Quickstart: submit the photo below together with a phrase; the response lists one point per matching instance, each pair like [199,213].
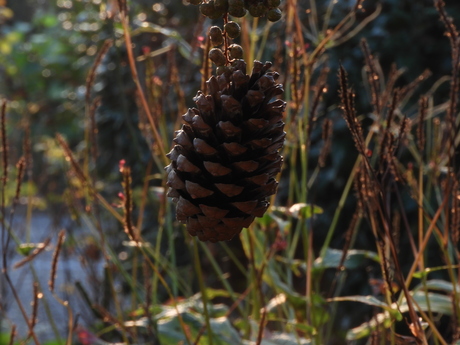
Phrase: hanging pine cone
[226,157]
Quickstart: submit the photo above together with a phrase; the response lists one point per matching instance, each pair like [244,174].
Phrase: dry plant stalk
[54,263]
[327,140]
[421,139]
[128,204]
[372,78]
[4,144]
[92,106]
[12,335]
[347,97]
[33,317]
[70,158]
[376,184]
[451,32]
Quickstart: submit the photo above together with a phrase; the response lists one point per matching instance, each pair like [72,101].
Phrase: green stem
[204,296]
[342,200]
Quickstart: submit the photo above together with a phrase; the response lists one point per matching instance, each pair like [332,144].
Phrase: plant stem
[204,296]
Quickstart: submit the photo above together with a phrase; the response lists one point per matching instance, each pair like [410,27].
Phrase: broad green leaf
[438,284]
[370,300]
[353,259]
[367,328]
[272,278]
[276,338]
[438,304]
[222,330]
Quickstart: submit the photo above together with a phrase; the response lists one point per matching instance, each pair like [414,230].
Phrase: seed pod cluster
[214,9]
[216,36]
[226,155]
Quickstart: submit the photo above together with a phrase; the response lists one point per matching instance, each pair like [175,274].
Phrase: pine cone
[226,157]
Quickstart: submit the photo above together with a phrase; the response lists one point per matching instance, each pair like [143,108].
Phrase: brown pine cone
[226,156]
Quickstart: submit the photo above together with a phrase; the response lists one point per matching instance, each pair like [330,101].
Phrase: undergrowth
[274,283]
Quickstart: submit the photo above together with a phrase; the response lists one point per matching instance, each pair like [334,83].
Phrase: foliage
[359,247]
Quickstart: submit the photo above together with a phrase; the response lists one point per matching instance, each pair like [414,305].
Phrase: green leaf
[304,211]
[269,218]
[353,259]
[438,303]
[370,300]
[277,338]
[213,293]
[170,330]
[26,248]
[439,284]
[259,248]
[299,210]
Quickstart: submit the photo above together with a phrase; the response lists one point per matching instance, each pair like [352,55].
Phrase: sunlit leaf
[437,303]
[26,248]
[304,211]
[299,210]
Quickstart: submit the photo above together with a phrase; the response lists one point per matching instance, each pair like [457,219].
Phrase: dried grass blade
[12,335]
[421,139]
[33,317]
[327,142]
[52,280]
[128,204]
[349,112]
[69,157]
[373,77]
[4,145]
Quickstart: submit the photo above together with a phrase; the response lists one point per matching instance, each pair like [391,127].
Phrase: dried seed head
[221,5]
[274,14]
[215,34]
[207,8]
[273,3]
[235,51]
[236,11]
[257,10]
[232,29]
[217,56]
[236,3]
